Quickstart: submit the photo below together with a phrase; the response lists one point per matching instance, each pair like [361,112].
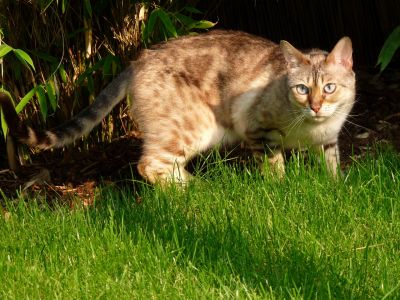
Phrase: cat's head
[321,84]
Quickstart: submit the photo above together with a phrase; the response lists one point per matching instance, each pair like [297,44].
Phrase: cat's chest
[305,135]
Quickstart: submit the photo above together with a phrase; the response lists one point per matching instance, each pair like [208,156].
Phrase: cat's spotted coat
[192,93]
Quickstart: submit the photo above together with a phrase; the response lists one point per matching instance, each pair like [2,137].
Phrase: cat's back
[228,40]
[217,46]
[218,57]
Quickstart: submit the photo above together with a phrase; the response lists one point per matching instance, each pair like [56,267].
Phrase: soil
[67,174]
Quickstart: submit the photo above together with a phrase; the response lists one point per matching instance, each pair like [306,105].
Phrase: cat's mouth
[319,118]
[316,118]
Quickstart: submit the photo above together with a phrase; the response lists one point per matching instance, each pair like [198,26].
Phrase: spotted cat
[192,93]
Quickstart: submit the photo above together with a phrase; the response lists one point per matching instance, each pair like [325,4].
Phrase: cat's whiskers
[343,113]
[295,123]
[357,125]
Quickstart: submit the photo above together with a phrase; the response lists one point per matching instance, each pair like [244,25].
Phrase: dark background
[308,23]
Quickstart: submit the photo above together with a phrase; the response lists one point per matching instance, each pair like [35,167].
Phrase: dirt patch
[67,174]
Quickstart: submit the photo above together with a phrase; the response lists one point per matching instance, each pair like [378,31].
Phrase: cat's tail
[78,126]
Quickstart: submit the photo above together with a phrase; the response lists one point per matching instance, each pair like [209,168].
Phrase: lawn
[231,234]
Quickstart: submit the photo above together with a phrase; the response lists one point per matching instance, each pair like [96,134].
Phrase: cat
[221,87]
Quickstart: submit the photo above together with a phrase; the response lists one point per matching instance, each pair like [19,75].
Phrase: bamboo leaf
[51,94]
[192,9]
[24,57]
[5,49]
[45,56]
[90,85]
[63,5]
[150,25]
[116,65]
[185,20]
[40,94]
[109,66]
[25,100]
[85,74]
[4,126]
[389,48]
[165,19]
[63,74]
[81,78]
[144,33]
[203,24]
[88,7]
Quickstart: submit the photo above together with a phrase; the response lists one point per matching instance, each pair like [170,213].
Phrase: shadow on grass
[220,248]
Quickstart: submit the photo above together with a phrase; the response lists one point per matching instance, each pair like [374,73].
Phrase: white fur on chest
[312,134]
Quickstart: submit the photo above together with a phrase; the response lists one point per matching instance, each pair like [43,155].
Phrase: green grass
[231,234]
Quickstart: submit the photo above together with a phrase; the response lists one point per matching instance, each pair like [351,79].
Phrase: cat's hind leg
[163,167]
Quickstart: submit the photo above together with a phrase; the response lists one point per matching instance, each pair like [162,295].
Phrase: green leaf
[63,74]
[389,48]
[51,94]
[144,34]
[40,94]
[4,49]
[45,56]
[63,5]
[4,126]
[86,74]
[115,66]
[110,65]
[164,33]
[203,24]
[25,100]
[97,66]
[185,20]
[44,5]
[192,9]
[80,79]
[88,7]
[150,25]
[90,85]
[165,19]
[24,57]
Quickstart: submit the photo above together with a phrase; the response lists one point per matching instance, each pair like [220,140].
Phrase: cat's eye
[329,88]
[302,89]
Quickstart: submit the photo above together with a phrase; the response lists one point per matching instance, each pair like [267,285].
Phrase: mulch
[70,173]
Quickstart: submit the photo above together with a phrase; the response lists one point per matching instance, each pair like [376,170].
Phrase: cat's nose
[315,107]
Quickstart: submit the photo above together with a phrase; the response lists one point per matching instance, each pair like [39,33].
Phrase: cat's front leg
[276,161]
[332,158]
[271,160]
[264,145]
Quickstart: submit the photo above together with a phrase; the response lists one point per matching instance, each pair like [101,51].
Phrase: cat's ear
[342,53]
[293,57]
